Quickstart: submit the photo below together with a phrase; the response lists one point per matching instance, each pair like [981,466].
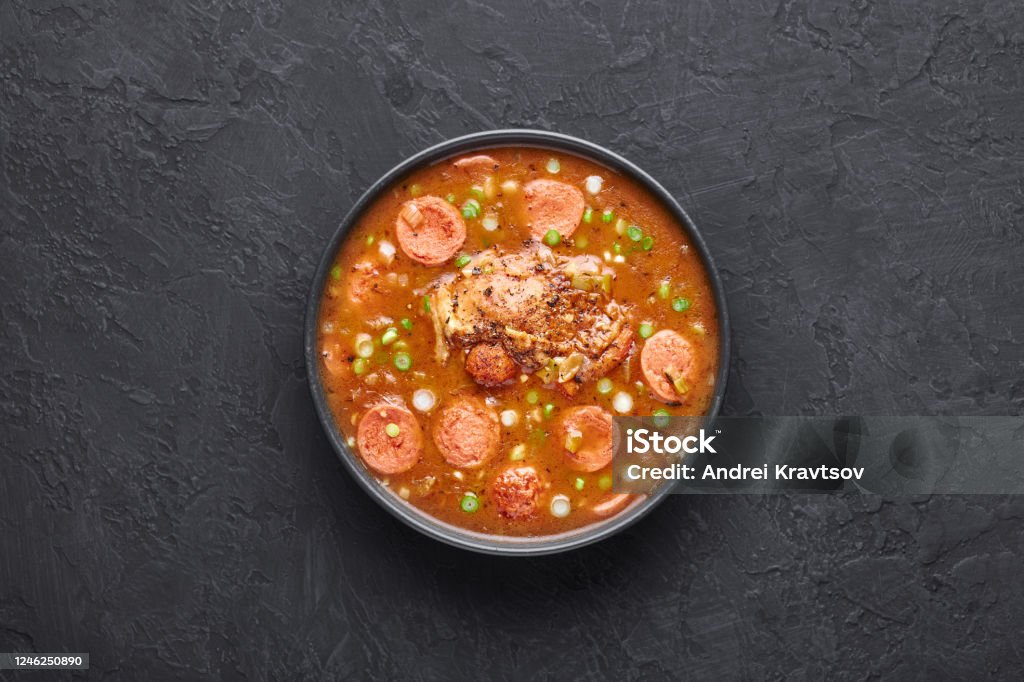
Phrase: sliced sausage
[516,492]
[490,365]
[467,432]
[386,453]
[612,505]
[666,356]
[430,230]
[476,165]
[589,430]
[335,358]
[552,205]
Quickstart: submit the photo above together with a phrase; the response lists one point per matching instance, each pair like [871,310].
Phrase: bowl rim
[406,512]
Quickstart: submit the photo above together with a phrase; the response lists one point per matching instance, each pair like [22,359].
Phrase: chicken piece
[543,309]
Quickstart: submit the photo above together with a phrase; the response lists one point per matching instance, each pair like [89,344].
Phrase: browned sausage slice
[490,365]
[667,364]
[476,165]
[612,504]
[386,453]
[430,230]
[586,438]
[516,492]
[467,432]
[552,205]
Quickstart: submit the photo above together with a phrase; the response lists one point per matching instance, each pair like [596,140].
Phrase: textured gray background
[171,172]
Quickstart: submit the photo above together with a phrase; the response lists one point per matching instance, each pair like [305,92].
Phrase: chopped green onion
[462,261]
[617,247]
[661,418]
[471,209]
[588,215]
[390,336]
[553,166]
[664,290]
[679,381]
[369,240]
[605,482]
[645,330]
[635,233]
[477,191]
[648,243]
[582,242]
[605,385]
[552,237]
[407,323]
[548,409]
[450,198]
[532,397]
[426,303]
[680,304]
[359,366]
[364,345]
[415,190]
[620,226]
[578,483]
[518,453]
[402,361]
[469,503]
[607,215]
[401,345]
[336,273]
[392,430]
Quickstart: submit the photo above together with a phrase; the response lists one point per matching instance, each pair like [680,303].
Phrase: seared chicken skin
[549,313]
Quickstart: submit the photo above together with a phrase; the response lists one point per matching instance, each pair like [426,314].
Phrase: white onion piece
[593,184]
[553,166]
[560,506]
[423,400]
[387,250]
[509,418]
[622,402]
[509,187]
[490,223]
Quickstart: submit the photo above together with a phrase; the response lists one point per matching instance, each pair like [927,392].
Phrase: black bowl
[493,544]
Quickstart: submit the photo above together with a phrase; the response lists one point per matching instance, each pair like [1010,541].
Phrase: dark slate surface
[171,171]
